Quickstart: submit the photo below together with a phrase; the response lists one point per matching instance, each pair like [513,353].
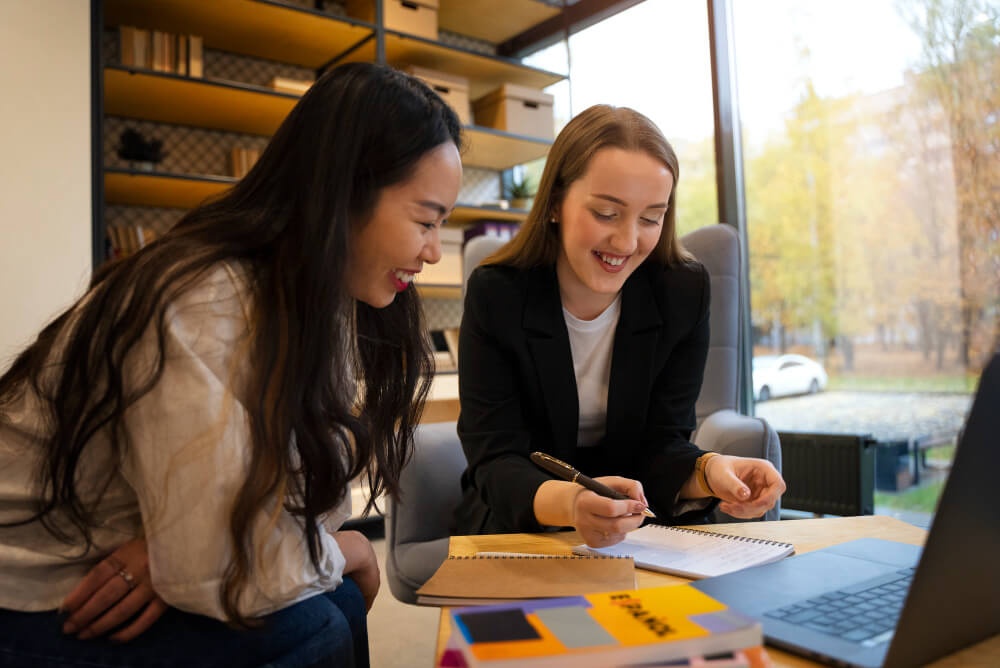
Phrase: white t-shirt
[177,482]
[591,343]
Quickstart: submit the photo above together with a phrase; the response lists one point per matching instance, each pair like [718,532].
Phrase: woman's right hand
[602,521]
[362,564]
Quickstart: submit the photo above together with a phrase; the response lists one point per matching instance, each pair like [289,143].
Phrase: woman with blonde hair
[585,337]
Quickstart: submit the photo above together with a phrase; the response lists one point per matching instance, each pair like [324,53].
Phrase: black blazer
[518,391]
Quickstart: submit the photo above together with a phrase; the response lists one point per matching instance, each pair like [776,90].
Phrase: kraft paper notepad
[494,578]
[691,553]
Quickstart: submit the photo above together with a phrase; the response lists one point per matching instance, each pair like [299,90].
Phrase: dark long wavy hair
[289,221]
[601,126]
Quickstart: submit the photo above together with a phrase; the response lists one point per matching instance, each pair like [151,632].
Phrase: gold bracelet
[700,466]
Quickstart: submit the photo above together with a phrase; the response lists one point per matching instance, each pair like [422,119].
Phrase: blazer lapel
[548,341]
[639,326]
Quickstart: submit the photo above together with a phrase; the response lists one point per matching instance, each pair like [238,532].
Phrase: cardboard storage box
[448,270]
[452,88]
[414,17]
[517,109]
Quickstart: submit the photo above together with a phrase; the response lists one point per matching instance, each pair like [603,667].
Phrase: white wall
[45,207]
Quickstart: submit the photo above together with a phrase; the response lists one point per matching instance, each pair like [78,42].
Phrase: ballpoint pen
[562,470]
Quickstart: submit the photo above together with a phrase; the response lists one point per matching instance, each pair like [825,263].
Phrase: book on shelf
[654,625]
[195,63]
[160,51]
[451,341]
[128,239]
[287,85]
[492,577]
[692,553]
[241,159]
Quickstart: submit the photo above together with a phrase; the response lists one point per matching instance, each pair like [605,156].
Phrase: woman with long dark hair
[208,400]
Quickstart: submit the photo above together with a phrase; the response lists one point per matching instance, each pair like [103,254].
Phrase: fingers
[153,611]
[93,581]
[107,591]
[120,613]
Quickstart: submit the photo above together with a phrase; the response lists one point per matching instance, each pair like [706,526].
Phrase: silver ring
[127,577]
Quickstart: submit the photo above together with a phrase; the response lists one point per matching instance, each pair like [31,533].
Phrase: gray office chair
[417,524]
[719,427]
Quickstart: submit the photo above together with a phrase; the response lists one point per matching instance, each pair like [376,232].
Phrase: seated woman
[585,338]
[209,399]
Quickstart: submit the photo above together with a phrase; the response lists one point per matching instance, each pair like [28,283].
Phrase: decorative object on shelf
[521,193]
[502,230]
[142,155]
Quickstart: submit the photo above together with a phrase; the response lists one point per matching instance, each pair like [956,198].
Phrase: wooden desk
[806,535]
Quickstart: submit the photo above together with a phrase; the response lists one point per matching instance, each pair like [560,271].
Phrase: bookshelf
[295,34]
[300,35]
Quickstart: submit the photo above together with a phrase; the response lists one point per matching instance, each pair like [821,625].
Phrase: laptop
[873,602]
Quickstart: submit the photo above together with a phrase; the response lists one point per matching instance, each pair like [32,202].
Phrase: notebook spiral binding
[741,539]
[514,555]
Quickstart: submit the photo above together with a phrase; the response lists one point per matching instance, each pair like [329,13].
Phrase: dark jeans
[326,630]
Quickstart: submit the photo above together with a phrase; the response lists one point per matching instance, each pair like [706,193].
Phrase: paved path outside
[886,416]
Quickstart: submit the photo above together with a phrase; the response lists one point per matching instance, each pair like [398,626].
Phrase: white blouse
[189,448]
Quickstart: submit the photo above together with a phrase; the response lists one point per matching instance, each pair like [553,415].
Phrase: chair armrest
[730,433]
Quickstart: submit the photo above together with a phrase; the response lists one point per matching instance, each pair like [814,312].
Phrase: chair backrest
[417,525]
[475,251]
[718,248]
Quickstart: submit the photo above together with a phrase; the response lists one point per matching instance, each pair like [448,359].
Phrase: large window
[871,141]
[655,58]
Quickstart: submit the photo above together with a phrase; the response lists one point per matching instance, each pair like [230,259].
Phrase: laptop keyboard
[865,613]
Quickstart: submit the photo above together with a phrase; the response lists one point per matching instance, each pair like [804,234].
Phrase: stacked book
[161,51]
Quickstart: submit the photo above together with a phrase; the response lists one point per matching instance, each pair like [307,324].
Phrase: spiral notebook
[497,578]
[691,553]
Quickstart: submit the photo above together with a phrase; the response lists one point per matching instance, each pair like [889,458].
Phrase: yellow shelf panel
[485,73]
[234,107]
[203,103]
[289,34]
[465,214]
[494,149]
[436,291]
[491,20]
[177,191]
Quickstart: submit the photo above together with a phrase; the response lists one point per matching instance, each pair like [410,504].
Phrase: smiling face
[402,233]
[610,220]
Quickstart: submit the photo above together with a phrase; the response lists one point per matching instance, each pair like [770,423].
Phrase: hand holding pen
[562,470]
[598,525]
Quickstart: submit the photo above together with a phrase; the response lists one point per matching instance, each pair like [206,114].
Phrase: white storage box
[517,109]
[414,17]
[452,88]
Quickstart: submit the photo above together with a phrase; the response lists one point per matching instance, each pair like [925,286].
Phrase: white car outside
[783,375]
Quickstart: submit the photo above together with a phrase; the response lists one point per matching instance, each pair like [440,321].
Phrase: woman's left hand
[747,487]
[115,591]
